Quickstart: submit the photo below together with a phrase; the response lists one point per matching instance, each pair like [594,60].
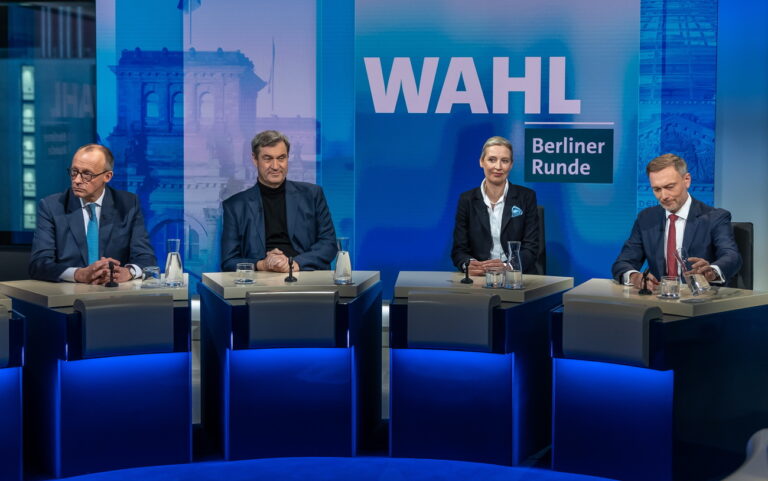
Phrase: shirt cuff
[720,279]
[68,275]
[136,272]
[625,277]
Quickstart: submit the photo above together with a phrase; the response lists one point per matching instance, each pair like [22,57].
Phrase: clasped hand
[98,272]
[276,261]
[477,268]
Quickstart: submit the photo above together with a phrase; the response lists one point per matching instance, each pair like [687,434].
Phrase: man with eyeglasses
[81,230]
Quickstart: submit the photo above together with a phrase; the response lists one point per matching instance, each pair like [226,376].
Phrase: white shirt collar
[485,196]
[683,211]
[98,201]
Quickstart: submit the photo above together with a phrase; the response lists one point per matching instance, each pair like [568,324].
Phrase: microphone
[645,291]
[290,277]
[111,282]
[466,279]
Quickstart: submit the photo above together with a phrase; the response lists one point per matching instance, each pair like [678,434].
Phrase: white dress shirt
[494,215]
[682,217]
[69,274]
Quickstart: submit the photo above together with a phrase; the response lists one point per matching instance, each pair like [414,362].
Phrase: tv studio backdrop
[387,105]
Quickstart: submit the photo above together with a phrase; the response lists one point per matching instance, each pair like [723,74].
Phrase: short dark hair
[663,161]
[268,138]
[108,157]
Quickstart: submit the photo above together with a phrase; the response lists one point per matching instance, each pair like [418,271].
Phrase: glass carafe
[514,266]
[174,273]
[697,283]
[343,272]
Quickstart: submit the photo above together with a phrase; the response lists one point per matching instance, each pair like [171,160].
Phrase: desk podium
[487,400]
[647,388]
[107,376]
[282,376]
[11,342]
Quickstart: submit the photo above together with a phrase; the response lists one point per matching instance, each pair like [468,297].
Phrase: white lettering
[530,85]
[557,101]
[536,147]
[401,77]
[461,67]
[575,168]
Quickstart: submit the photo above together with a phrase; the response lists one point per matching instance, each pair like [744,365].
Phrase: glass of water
[151,278]
[670,287]
[494,277]
[244,273]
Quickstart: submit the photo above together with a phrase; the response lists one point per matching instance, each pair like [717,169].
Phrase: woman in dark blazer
[496,212]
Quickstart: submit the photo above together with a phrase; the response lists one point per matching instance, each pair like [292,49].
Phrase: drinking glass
[670,287]
[151,278]
[494,277]
[244,273]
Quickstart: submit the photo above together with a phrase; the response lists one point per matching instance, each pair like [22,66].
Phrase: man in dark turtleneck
[277,218]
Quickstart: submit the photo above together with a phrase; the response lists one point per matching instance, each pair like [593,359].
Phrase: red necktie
[672,246]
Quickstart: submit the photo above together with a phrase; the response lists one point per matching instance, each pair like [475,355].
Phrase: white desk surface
[725,299]
[5,303]
[223,283]
[535,286]
[63,294]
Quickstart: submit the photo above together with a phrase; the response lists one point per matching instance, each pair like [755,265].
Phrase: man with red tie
[679,221]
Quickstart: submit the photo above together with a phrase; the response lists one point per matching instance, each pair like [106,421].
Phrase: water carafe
[174,273]
[697,283]
[343,273]
[514,266]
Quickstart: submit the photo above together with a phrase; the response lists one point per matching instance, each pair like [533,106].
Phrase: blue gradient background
[411,168]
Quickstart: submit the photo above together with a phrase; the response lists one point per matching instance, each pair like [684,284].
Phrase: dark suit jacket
[310,227]
[472,232]
[708,235]
[60,242]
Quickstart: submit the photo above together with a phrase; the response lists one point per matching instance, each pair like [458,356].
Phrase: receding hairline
[109,159]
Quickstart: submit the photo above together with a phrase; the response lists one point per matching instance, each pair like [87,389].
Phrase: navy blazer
[708,234]
[472,232]
[60,243]
[310,227]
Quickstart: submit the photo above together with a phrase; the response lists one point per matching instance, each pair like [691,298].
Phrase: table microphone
[466,279]
[111,282]
[290,277]
[645,291]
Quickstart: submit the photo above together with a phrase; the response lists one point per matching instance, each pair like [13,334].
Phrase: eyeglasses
[86,176]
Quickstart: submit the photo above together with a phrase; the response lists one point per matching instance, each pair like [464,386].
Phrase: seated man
[680,221]
[81,230]
[277,218]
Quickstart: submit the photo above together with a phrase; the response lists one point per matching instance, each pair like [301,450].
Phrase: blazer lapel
[481,211]
[106,221]
[257,214]
[509,201]
[691,224]
[660,257]
[77,225]
[291,208]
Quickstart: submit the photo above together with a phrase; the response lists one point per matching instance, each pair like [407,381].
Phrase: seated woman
[496,212]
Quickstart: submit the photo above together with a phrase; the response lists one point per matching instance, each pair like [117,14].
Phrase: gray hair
[496,140]
[663,161]
[268,138]
[109,159]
